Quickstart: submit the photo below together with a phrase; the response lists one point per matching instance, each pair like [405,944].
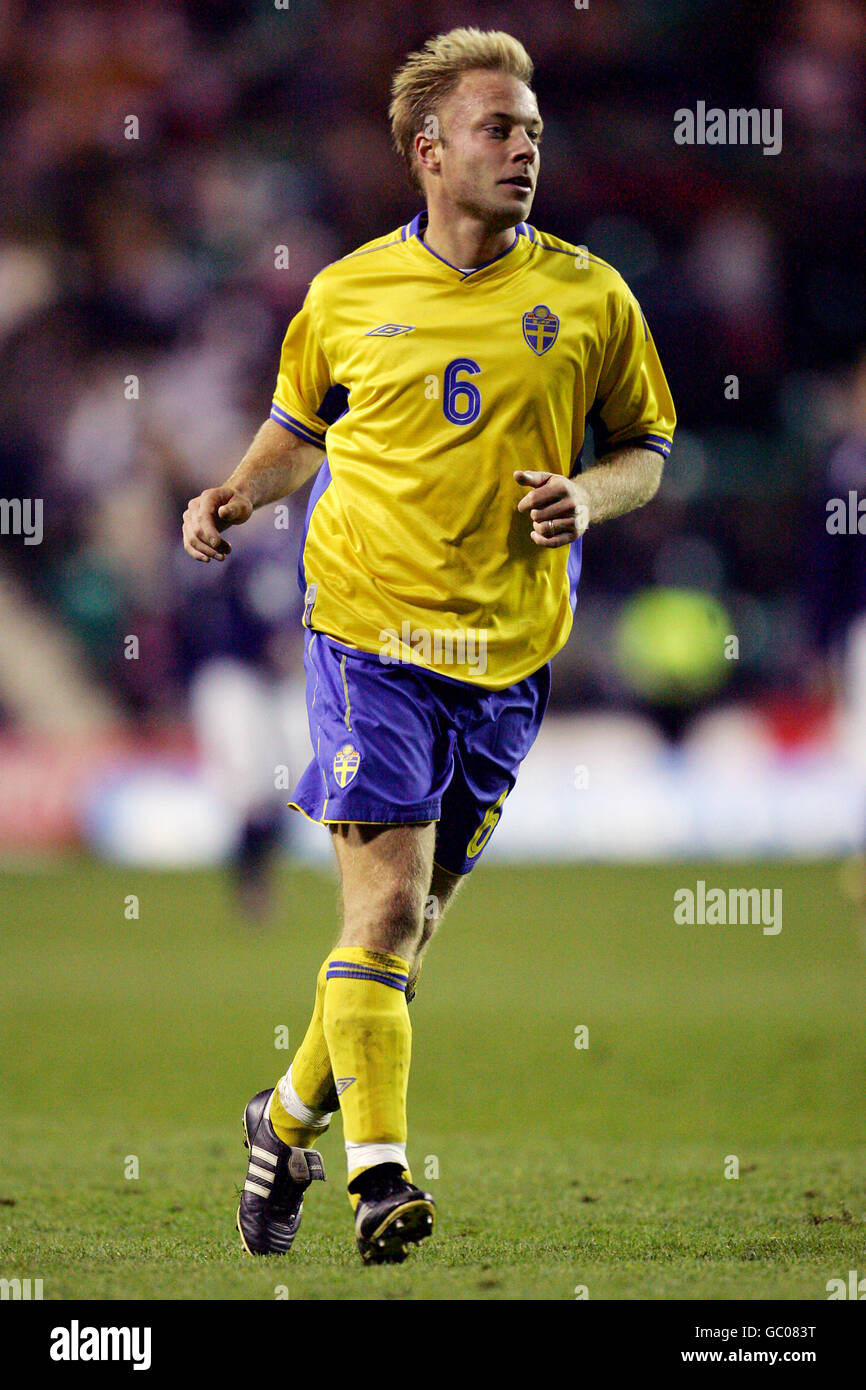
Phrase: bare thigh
[385,873]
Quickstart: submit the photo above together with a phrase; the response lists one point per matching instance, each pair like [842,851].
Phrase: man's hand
[558,507]
[275,465]
[213,511]
[562,508]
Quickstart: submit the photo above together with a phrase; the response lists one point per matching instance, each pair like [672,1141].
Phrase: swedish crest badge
[347,760]
[540,327]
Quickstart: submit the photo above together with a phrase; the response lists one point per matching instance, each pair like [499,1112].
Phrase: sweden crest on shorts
[540,327]
[347,760]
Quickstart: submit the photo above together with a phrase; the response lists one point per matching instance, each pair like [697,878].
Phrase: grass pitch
[133,1045]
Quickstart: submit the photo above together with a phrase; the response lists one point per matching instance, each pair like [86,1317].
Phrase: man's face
[488,151]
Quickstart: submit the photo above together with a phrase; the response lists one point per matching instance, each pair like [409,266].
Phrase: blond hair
[426,78]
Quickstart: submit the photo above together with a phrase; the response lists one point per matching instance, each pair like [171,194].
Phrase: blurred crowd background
[141,314]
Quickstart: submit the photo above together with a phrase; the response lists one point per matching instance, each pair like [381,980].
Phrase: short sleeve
[304,377]
[633,403]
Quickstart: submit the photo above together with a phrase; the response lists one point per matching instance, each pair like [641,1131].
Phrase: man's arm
[275,465]
[560,509]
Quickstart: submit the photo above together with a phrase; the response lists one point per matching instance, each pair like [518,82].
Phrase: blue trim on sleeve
[656,442]
[288,422]
[656,448]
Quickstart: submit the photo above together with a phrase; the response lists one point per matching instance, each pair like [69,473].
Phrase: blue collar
[419,224]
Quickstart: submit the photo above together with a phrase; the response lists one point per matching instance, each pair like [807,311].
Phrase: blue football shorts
[396,743]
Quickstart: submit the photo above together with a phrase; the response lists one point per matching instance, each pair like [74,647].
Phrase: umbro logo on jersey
[390,330]
[343,1083]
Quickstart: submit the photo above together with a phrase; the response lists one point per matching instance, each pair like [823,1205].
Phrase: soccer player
[440,555]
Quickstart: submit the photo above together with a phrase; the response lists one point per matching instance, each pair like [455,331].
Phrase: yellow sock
[369,1039]
[302,1103]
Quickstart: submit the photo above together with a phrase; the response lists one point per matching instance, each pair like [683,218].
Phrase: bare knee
[387,921]
[385,878]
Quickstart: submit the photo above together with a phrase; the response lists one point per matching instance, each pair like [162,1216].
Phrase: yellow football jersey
[413,547]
